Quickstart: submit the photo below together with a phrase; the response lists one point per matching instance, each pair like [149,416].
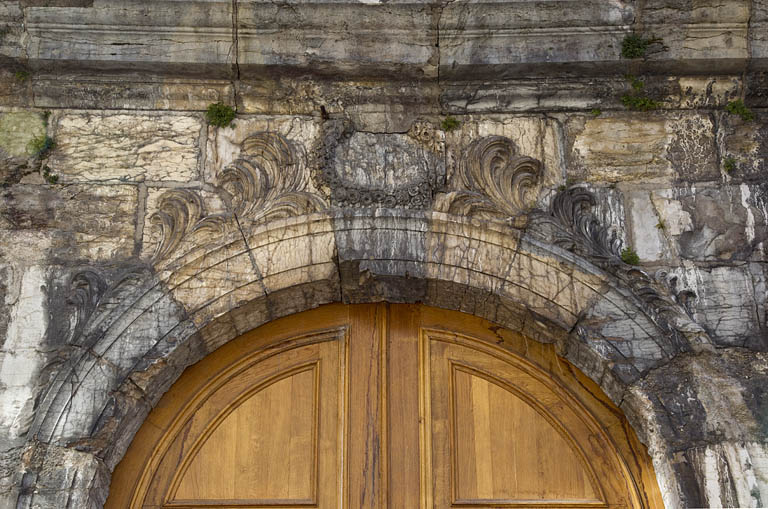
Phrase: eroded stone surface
[103,146]
[647,147]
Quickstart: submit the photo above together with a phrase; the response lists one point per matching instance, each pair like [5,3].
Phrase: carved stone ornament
[356,169]
[577,229]
[492,181]
[268,181]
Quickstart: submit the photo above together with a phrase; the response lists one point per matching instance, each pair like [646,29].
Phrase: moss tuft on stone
[738,107]
[629,256]
[450,124]
[220,115]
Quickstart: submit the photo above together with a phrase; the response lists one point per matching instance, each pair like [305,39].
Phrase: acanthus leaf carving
[577,229]
[86,289]
[583,233]
[492,181]
[268,181]
[180,212]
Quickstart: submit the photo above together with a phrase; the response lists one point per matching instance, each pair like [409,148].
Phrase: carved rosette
[268,181]
[492,181]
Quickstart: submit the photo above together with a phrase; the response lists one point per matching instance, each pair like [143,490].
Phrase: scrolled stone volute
[492,181]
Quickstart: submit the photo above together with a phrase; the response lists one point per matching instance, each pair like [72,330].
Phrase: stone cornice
[404,39]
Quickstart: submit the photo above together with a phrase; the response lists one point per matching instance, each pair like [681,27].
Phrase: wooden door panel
[266,435]
[504,450]
[501,436]
[263,451]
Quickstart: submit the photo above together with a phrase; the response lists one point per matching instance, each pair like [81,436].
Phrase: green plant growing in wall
[48,176]
[450,123]
[219,115]
[637,100]
[596,112]
[738,107]
[661,225]
[41,145]
[729,164]
[21,76]
[636,46]
[629,256]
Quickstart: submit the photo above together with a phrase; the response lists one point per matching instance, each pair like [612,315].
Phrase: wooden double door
[375,406]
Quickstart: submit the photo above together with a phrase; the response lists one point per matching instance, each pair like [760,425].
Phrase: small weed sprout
[636,100]
[596,112]
[661,225]
[739,108]
[639,103]
[636,46]
[48,176]
[450,124]
[629,256]
[41,145]
[220,115]
[21,76]
[46,117]
[729,164]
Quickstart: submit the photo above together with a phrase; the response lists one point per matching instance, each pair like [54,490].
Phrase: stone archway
[286,240]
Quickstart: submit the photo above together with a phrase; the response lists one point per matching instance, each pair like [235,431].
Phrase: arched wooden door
[376,406]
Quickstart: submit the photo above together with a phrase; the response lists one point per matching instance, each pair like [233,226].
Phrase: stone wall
[145,238]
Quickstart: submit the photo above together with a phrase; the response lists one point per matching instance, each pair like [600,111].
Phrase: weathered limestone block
[704,414]
[375,255]
[67,477]
[648,147]
[648,228]
[114,92]
[733,474]
[707,91]
[21,348]
[747,144]
[727,222]
[106,146]
[730,302]
[758,37]
[10,30]
[695,35]
[86,222]
[18,129]
[709,222]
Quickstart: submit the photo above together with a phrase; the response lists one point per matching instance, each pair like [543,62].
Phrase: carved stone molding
[492,181]
[577,229]
[269,180]
[355,169]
